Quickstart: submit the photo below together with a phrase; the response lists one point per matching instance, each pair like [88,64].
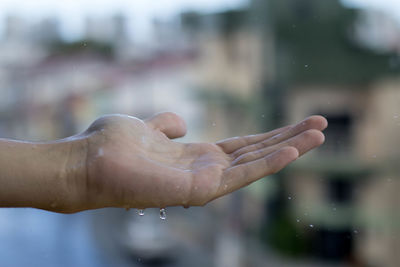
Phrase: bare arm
[121,161]
[41,175]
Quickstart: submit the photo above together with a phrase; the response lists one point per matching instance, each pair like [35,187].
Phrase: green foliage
[315,45]
[283,235]
[104,49]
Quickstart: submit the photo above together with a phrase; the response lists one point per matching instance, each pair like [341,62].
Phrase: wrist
[42,175]
[69,174]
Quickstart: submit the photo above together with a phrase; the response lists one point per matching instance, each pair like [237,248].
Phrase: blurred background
[229,68]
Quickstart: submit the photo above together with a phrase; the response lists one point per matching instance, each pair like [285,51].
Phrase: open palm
[134,163]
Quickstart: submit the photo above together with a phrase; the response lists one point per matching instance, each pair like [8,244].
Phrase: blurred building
[328,72]
[56,88]
[322,59]
[227,69]
[106,29]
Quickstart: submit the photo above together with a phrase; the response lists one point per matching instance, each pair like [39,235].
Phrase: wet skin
[122,161]
[141,167]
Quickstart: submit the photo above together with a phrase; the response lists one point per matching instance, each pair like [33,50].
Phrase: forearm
[42,175]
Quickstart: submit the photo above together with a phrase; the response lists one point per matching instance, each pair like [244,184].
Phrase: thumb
[172,125]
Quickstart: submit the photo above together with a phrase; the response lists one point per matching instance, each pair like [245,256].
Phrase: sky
[138,12]
[390,6]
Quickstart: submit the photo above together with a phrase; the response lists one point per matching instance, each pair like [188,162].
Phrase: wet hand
[134,163]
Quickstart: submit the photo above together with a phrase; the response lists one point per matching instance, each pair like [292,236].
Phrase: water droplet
[141,212]
[84,44]
[163,214]
[289,198]
[297,220]
[334,209]
[312,225]
[306,66]
[355,231]
[263,116]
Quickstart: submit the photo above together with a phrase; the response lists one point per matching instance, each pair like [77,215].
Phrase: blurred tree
[87,46]
[306,42]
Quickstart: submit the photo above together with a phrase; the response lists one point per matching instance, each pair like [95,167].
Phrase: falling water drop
[297,220]
[163,214]
[312,225]
[141,212]
[289,198]
[306,66]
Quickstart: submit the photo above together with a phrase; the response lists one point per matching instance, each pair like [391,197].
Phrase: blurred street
[73,240]
[89,239]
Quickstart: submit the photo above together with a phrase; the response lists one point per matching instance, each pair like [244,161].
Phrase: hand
[134,163]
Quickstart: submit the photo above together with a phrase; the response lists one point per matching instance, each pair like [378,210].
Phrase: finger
[172,125]
[303,142]
[312,122]
[244,174]
[231,144]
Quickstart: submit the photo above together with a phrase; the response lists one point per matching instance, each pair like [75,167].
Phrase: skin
[122,161]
